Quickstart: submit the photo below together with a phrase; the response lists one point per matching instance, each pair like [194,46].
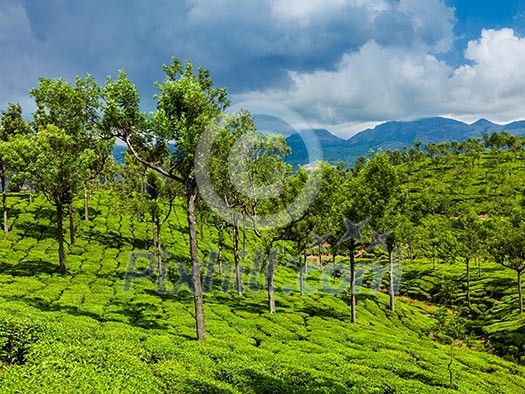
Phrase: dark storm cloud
[247,45]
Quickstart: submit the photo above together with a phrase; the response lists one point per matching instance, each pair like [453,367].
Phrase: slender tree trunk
[391,274]
[30,195]
[201,227]
[219,252]
[467,261]
[302,267]
[352,284]
[479,267]
[520,291]
[71,224]
[449,366]
[191,195]
[143,220]
[238,279]
[271,294]
[244,250]
[320,260]
[269,280]
[4,207]
[158,253]
[334,255]
[60,237]
[86,203]
[305,265]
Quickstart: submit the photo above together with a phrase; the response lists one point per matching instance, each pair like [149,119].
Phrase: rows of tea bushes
[87,332]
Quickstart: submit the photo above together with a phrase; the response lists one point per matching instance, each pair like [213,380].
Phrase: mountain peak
[482,122]
[322,135]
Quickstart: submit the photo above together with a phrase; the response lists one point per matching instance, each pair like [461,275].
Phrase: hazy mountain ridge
[395,135]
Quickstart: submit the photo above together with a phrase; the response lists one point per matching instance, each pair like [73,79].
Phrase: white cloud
[495,81]
[378,83]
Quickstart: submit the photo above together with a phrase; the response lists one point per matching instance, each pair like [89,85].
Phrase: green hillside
[215,267]
[84,333]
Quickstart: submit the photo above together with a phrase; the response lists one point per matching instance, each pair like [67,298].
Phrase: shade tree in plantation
[55,166]
[295,228]
[507,247]
[100,161]
[449,329]
[75,110]
[354,219]
[221,226]
[469,234]
[323,219]
[252,180]
[236,162]
[150,196]
[381,199]
[350,240]
[12,125]
[187,103]
[329,203]
[437,239]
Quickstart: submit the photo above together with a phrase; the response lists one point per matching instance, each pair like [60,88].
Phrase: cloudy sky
[342,64]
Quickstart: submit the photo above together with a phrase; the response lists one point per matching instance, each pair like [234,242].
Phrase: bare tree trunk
[305,263]
[320,259]
[302,272]
[71,224]
[86,203]
[191,195]
[467,262]
[352,285]
[449,366]
[391,275]
[4,207]
[244,250]
[269,280]
[201,227]
[238,279]
[219,252]
[60,237]
[479,267]
[334,255]
[30,195]
[158,253]
[520,291]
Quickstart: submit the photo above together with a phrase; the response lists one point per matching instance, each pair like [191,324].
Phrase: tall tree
[355,219]
[74,109]
[469,235]
[12,125]
[149,196]
[382,200]
[236,150]
[292,227]
[508,248]
[56,167]
[187,103]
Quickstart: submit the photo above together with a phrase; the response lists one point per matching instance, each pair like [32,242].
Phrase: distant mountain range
[393,135]
[389,135]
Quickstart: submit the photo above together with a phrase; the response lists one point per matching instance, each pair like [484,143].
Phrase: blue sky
[341,64]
